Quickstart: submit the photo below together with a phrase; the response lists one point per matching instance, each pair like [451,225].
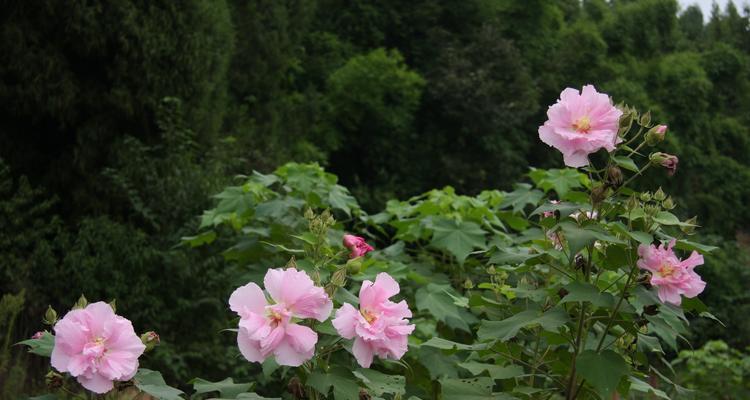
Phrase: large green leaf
[379,383]
[226,388]
[508,328]
[602,371]
[458,238]
[436,300]
[495,371]
[152,383]
[42,346]
[579,291]
[521,197]
[562,180]
[340,379]
[443,344]
[579,237]
[467,389]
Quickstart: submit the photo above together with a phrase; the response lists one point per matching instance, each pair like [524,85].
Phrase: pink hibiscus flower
[673,277]
[97,347]
[580,124]
[380,327]
[267,329]
[357,245]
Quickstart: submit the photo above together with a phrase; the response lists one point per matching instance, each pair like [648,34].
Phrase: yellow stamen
[582,124]
[666,271]
[369,317]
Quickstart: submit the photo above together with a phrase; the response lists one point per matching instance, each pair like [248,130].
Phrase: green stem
[624,293]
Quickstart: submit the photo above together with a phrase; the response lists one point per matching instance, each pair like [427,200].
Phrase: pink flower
[380,326]
[661,129]
[96,346]
[672,276]
[550,214]
[267,329]
[357,245]
[580,124]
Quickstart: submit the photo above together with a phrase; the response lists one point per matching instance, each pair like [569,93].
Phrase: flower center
[95,348]
[369,316]
[582,124]
[667,271]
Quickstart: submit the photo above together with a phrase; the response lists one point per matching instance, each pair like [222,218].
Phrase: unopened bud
[354,265]
[689,229]
[53,380]
[656,135]
[598,194]
[667,161]
[37,335]
[668,204]
[468,284]
[113,305]
[645,196]
[626,121]
[614,177]
[296,388]
[646,119]
[81,303]
[632,203]
[491,270]
[659,195]
[50,316]
[309,213]
[150,339]
[338,278]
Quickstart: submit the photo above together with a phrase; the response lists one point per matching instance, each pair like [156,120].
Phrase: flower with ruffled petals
[357,245]
[97,347]
[673,277]
[581,123]
[267,329]
[380,327]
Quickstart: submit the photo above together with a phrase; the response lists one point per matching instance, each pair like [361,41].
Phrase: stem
[576,350]
[617,307]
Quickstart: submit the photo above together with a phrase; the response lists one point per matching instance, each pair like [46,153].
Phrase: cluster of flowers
[99,347]
[380,327]
[582,123]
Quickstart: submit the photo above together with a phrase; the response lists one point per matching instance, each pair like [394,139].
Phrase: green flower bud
[632,203]
[81,303]
[614,177]
[646,119]
[354,265]
[53,380]
[50,316]
[338,278]
[668,204]
[659,195]
[656,135]
[150,339]
[666,160]
[645,196]
[491,270]
[468,284]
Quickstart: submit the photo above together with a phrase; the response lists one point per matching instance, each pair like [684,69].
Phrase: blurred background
[120,118]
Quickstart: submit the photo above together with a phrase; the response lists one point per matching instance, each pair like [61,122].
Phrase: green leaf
[690,246]
[649,344]
[643,387]
[199,240]
[340,379]
[580,237]
[443,344]
[226,388]
[522,196]
[602,371]
[42,346]
[458,238]
[564,208]
[152,383]
[509,328]
[495,371]
[512,255]
[667,218]
[562,180]
[579,291]
[435,300]
[467,389]
[379,383]
[626,163]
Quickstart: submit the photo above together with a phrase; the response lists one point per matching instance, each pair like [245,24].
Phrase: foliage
[715,370]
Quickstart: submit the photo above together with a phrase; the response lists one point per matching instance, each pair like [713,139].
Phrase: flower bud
[468,284]
[491,270]
[81,303]
[659,195]
[338,278]
[53,380]
[656,135]
[646,119]
[690,228]
[50,316]
[354,265]
[632,203]
[614,177]
[37,335]
[598,194]
[667,161]
[668,204]
[113,305]
[150,339]
[645,196]
[626,121]
[309,213]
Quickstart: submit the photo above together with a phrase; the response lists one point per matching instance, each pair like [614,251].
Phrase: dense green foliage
[120,118]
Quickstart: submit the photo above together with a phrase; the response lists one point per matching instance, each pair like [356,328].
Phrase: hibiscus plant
[574,285]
